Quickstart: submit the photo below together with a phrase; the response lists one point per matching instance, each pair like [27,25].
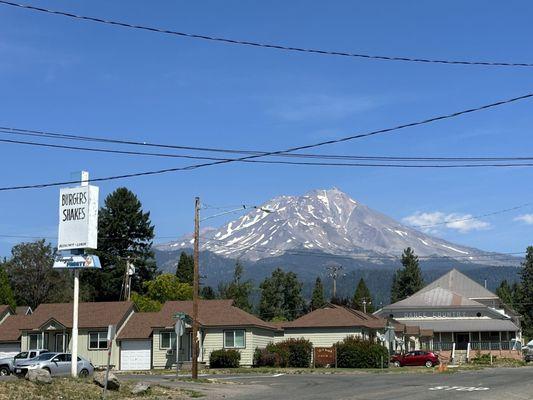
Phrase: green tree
[124,232]
[281,296]
[237,289]
[185,268]
[317,298]
[361,295]
[167,287]
[505,293]
[407,280]
[6,293]
[526,309]
[208,293]
[32,277]
[145,303]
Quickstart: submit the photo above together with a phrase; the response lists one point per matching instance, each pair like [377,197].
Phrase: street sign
[179,327]
[84,261]
[78,218]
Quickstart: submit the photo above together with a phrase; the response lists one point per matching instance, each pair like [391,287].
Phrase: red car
[418,357]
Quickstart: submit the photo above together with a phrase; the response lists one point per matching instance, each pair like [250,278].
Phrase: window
[97,340]
[35,341]
[234,339]
[168,340]
[24,354]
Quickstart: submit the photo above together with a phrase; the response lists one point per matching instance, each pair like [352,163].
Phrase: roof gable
[334,316]
[435,297]
[461,284]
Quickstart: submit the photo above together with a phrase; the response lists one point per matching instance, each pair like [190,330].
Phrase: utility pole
[365,302]
[334,273]
[195,289]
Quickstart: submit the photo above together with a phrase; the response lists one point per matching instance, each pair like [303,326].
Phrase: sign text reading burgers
[78,218]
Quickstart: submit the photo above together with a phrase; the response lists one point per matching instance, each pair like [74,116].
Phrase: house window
[97,340]
[35,341]
[168,340]
[234,339]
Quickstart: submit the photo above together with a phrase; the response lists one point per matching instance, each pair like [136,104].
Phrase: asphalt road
[488,384]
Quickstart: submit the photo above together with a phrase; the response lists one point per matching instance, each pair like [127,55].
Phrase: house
[10,334]
[463,315]
[50,327]
[148,340]
[5,311]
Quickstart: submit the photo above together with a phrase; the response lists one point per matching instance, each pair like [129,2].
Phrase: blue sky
[77,77]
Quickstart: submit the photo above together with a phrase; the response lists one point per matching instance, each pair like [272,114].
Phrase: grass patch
[81,389]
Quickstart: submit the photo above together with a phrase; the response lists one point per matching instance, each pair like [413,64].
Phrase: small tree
[185,268]
[526,275]
[407,280]
[362,295]
[208,293]
[237,289]
[317,299]
[505,293]
[167,287]
[6,294]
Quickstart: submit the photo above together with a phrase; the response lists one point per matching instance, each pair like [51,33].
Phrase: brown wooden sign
[324,356]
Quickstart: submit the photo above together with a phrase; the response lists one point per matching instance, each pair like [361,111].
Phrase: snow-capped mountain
[326,221]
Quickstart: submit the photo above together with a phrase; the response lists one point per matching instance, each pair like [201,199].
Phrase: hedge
[289,353]
[354,352]
[224,359]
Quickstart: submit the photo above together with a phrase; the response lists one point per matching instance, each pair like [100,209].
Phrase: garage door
[135,355]
[9,349]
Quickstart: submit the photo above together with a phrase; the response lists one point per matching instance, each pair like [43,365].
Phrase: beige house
[148,340]
[50,327]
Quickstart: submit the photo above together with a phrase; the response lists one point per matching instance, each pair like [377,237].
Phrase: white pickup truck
[7,365]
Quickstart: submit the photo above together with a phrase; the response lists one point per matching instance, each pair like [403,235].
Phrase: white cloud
[526,218]
[432,221]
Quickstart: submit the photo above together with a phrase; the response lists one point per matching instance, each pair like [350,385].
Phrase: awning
[465,325]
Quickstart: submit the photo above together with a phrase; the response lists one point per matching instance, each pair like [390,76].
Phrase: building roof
[91,315]
[10,330]
[23,310]
[4,310]
[435,297]
[466,325]
[211,313]
[334,316]
[459,283]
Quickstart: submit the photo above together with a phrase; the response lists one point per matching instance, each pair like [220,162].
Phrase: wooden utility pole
[195,289]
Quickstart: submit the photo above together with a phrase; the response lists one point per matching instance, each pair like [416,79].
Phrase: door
[135,355]
[9,349]
[60,364]
[409,358]
[61,344]
[462,341]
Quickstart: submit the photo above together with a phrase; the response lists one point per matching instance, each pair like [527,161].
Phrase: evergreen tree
[32,277]
[208,293]
[185,268]
[317,299]
[407,280]
[526,275]
[362,294]
[281,296]
[505,293]
[6,294]
[237,289]
[124,232]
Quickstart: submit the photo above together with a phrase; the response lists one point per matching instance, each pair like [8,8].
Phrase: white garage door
[9,349]
[135,355]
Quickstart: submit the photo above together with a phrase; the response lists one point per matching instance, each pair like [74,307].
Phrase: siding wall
[321,337]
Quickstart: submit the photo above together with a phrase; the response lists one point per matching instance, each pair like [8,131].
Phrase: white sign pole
[74,364]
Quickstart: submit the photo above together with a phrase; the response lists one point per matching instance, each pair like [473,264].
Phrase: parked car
[418,357]
[7,364]
[528,353]
[57,364]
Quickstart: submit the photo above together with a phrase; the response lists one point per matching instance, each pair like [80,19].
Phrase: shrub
[354,352]
[264,358]
[290,353]
[224,359]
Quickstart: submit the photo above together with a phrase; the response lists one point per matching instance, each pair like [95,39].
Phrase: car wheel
[4,371]
[429,364]
[48,369]
[84,373]
[397,364]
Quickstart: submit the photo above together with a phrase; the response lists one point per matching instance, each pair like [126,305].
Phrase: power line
[323,164]
[289,150]
[265,45]
[52,135]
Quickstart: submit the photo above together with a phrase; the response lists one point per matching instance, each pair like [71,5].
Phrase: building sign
[77,261]
[324,356]
[435,314]
[78,218]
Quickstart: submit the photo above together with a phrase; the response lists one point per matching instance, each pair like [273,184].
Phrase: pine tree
[526,275]
[6,294]
[505,293]
[124,232]
[185,268]
[237,289]
[361,295]
[407,280]
[208,293]
[317,299]
[281,296]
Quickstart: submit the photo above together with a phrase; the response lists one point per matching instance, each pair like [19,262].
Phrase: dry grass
[78,389]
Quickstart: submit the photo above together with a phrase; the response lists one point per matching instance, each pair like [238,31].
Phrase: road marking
[276,375]
[460,388]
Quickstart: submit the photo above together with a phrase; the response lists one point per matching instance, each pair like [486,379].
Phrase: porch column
[42,340]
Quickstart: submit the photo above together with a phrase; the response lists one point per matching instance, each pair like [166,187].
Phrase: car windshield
[24,354]
[45,356]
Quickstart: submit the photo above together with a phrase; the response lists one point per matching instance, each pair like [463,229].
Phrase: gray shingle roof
[461,284]
[436,297]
